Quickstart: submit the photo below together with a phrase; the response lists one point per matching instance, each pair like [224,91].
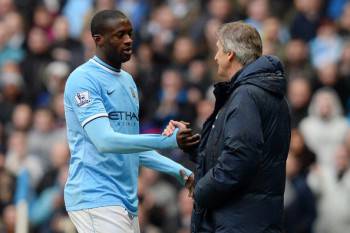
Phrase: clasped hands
[186,140]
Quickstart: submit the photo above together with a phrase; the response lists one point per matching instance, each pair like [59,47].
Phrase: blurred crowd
[42,41]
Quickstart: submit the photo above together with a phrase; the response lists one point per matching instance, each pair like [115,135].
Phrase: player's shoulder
[82,75]
[127,76]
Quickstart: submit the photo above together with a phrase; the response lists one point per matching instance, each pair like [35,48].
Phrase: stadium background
[41,41]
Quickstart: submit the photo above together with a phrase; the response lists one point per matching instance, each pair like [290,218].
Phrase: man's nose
[128,39]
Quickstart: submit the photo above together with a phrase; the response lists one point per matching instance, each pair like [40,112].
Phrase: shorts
[108,219]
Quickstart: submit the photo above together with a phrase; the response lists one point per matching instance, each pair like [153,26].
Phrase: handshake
[186,141]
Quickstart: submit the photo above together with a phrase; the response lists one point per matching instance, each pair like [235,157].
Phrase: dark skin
[114,47]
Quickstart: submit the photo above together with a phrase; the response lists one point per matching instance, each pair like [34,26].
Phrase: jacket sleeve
[239,159]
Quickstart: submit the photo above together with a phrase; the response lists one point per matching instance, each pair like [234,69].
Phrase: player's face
[118,41]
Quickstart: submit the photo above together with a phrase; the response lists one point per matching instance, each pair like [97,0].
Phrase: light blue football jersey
[95,90]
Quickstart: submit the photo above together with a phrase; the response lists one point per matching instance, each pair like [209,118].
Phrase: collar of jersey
[105,65]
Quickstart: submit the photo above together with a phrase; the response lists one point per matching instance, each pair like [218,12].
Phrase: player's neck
[103,58]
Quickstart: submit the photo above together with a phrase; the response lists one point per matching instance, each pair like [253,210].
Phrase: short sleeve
[84,97]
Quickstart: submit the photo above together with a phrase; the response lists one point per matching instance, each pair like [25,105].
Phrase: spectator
[258,12]
[326,47]
[273,36]
[331,188]
[11,86]
[56,74]
[18,158]
[306,158]
[215,13]
[184,51]
[64,47]
[34,64]
[161,29]
[9,219]
[327,76]
[162,210]
[74,11]
[43,135]
[185,211]
[306,20]
[203,109]
[325,127]
[344,21]
[299,202]
[43,19]
[137,11]
[299,94]
[297,58]
[344,63]
[57,106]
[49,191]
[15,30]
[7,186]
[335,8]
[198,74]
[21,119]
[6,6]
[8,53]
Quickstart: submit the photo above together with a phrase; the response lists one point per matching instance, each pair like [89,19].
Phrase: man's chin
[219,78]
[126,58]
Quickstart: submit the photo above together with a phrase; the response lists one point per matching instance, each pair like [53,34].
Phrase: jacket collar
[222,90]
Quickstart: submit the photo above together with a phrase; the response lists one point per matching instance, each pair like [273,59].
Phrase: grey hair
[241,39]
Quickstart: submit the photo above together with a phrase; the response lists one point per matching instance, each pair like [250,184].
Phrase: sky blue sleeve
[154,160]
[107,140]
[84,97]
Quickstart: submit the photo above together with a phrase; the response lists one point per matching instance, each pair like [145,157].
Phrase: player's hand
[189,182]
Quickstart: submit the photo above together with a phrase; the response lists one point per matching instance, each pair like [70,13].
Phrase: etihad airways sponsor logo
[123,116]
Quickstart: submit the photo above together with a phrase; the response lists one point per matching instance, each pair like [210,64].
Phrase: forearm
[158,162]
[109,141]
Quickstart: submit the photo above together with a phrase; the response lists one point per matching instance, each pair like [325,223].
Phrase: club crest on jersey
[82,98]
[133,93]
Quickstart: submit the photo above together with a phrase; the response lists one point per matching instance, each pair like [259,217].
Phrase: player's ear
[99,40]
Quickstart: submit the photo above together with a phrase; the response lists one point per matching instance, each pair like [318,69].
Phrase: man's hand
[185,138]
[169,130]
[189,182]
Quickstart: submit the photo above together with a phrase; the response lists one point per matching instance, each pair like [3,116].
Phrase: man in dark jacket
[242,154]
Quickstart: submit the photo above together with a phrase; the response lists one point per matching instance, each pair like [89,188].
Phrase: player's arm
[83,95]
[107,140]
[158,162]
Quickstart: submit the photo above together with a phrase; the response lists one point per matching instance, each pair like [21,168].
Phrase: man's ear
[99,39]
[231,56]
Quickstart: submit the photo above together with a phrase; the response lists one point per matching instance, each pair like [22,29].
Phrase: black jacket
[241,158]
